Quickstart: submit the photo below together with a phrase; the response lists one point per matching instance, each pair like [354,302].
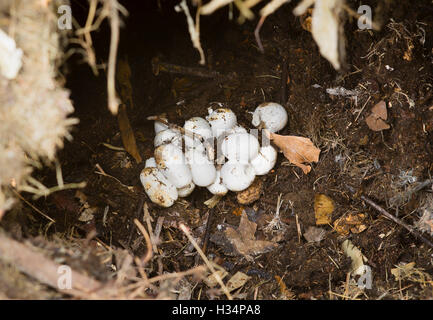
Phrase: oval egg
[202,169]
[265,160]
[157,187]
[218,187]
[241,147]
[221,120]
[237,176]
[168,136]
[171,161]
[271,115]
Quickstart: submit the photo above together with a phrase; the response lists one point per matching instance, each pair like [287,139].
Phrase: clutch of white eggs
[173,173]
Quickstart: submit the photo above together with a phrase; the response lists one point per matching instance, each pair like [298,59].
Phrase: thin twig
[148,218]
[102,173]
[205,259]
[46,192]
[398,221]
[32,206]
[149,252]
[159,66]
[284,74]
[207,231]
[198,269]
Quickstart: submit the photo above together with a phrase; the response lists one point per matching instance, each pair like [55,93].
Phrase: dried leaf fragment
[237,281]
[243,239]
[128,138]
[123,77]
[376,120]
[323,208]
[211,281]
[298,150]
[356,255]
[353,222]
[402,270]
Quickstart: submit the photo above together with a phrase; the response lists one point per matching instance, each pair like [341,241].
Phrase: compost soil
[398,58]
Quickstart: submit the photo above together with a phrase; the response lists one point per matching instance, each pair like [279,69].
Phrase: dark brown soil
[351,154]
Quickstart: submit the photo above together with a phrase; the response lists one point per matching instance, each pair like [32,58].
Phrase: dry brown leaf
[353,222]
[243,239]
[379,114]
[298,150]
[123,77]
[356,255]
[402,270]
[323,208]
[128,138]
[211,281]
[237,281]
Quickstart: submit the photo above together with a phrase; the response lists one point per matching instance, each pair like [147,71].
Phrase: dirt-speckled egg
[221,120]
[186,191]
[197,125]
[271,116]
[171,161]
[265,160]
[168,136]
[218,187]
[157,187]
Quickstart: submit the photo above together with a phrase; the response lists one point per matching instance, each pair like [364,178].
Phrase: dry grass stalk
[208,264]
[194,29]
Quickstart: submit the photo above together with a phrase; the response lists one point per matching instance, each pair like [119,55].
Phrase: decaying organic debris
[34,107]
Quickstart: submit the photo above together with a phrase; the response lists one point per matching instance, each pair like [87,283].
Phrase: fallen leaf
[123,77]
[376,120]
[297,150]
[243,240]
[353,222]
[237,281]
[185,289]
[356,255]
[211,281]
[238,211]
[314,234]
[402,270]
[128,138]
[323,208]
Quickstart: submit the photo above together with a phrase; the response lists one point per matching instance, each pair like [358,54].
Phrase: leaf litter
[298,150]
[241,240]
